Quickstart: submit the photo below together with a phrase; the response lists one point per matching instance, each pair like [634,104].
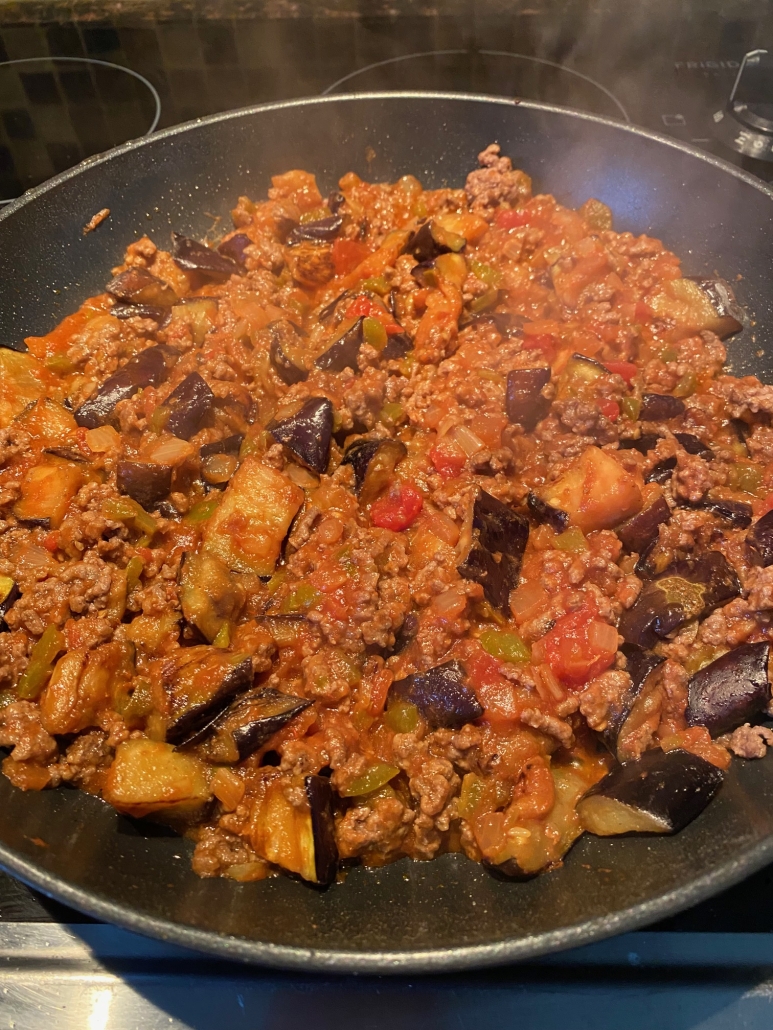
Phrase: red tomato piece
[643,313]
[626,369]
[609,408]
[347,254]
[448,459]
[398,509]
[545,342]
[51,541]
[512,219]
[579,647]
[367,307]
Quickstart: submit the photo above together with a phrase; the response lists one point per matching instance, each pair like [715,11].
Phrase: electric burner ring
[104,64]
[482,53]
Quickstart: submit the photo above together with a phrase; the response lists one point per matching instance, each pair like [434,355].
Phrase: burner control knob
[746,123]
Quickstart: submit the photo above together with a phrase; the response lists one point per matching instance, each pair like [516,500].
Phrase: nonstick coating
[409,916]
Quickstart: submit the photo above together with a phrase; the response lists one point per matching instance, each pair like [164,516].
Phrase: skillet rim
[422,960]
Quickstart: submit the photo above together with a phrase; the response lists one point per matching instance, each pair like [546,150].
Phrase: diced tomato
[512,219]
[545,342]
[448,458]
[626,369]
[51,541]
[643,312]
[347,254]
[398,509]
[609,408]
[579,647]
[367,307]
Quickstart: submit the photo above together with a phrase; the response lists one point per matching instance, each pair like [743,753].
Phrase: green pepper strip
[41,663]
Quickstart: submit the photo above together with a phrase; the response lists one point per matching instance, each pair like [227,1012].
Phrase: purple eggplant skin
[155,314]
[329,309]
[405,635]
[9,595]
[660,793]
[500,528]
[290,373]
[228,445]
[322,231]
[145,483]
[67,453]
[662,472]
[640,663]
[441,695]
[234,248]
[642,443]
[148,368]
[319,795]
[737,513]
[307,433]
[335,201]
[732,316]
[428,242]
[374,462]
[138,286]
[639,532]
[191,403]
[217,677]
[495,559]
[398,345]
[659,407]
[543,512]
[498,578]
[694,445]
[197,257]
[344,352]
[425,274]
[687,589]
[730,691]
[253,718]
[759,541]
[524,403]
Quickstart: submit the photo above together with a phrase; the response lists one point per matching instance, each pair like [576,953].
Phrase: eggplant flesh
[247,724]
[659,407]
[137,286]
[374,463]
[639,532]
[345,351]
[9,595]
[282,333]
[148,368]
[308,433]
[200,682]
[732,690]
[759,541]
[210,596]
[191,403]
[524,403]
[641,663]
[687,589]
[441,694]
[197,257]
[545,513]
[145,483]
[660,793]
[730,315]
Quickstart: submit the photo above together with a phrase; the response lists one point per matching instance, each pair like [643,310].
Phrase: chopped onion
[545,678]
[33,559]
[451,603]
[218,468]
[443,527]
[302,477]
[602,637]
[538,652]
[170,451]
[467,440]
[102,439]
[489,830]
[526,600]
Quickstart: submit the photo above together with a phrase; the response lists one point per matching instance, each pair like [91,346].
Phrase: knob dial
[746,123]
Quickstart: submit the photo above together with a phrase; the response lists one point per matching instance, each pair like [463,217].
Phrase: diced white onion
[169,451]
[467,440]
[602,637]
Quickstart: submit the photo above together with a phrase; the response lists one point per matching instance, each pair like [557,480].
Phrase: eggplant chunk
[687,589]
[137,286]
[398,345]
[442,696]
[46,492]
[210,596]
[729,315]
[155,314]
[9,595]
[234,247]
[345,351]
[190,403]
[307,433]
[149,776]
[299,839]
[626,716]
[737,513]
[543,512]
[251,721]
[374,463]
[148,368]
[524,403]
[661,793]
[499,527]
[694,445]
[200,682]
[145,483]
[639,532]
[759,541]
[228,445]
[642,443]
[662,472]
[430,241]
[730,691]
[322,230]
[659,407]
[284,333]
[495,559]
[197,257]
[499,575]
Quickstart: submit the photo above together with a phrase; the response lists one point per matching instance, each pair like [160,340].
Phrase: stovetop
[90,74]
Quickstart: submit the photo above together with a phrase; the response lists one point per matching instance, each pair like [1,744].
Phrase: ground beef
[759,585]
[378,829]
[87,757]
[548,724]
[748,741]
[602,695]
[21,729]
[217,850]
[495,182]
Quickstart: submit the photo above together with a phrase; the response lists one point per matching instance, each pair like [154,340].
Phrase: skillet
[407,917]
